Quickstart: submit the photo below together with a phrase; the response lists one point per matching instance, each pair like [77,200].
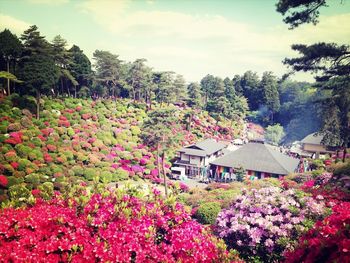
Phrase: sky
[190,37]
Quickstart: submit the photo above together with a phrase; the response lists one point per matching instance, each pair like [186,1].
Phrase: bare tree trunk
[68,89]
[14,73]
[62,86]
[8,80]
[164,175]
[38,96]
[158,156]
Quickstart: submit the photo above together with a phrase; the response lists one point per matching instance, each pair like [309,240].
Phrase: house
[258,159]
[312,144]
[196,158]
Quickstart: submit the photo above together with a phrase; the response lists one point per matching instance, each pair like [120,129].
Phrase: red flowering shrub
[15,138]
[327,241]
[3,180]
[14,165]
[51,148]
[108,229]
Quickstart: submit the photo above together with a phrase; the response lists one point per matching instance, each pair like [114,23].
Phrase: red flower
[3,180]
[14,165]
[47,158]
[51,148]
[36,192]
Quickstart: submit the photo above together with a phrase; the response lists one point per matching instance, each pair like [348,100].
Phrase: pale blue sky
[192,38]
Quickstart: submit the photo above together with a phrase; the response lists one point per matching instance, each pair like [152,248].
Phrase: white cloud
[104,11]
[195,45]
[13,24]
[48,2]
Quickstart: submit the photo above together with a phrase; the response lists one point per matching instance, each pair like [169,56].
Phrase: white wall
[185,157]
[195,160]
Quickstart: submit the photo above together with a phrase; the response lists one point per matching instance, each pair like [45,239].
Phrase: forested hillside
[34,66]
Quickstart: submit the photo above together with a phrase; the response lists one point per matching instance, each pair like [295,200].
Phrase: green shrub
[78,170]
[37,142]
[46,190]
[120,175]
[207,212]
[342,169]
[22,164]
[33,179]
[102,164]
[106,177]
[19,192]
[23,150]
[12,180]
[89,173]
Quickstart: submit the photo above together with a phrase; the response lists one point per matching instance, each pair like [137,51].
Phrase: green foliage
[274,134]
[300,12]
[89,173]
[46,190]
[240,172]
[194,95]
[120,175]
[106,177]
[270,94]
[20,193]
[207,212]
[33,179]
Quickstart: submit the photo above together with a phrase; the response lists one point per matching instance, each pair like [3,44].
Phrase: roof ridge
[270,150]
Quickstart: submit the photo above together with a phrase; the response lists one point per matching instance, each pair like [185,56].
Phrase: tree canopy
[298,12]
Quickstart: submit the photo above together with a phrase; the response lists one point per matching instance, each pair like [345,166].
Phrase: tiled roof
[259,157]
[313,138]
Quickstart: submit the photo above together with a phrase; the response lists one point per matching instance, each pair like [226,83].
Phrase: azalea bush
[327,241]
[83,139]
[106,228]
[263,223]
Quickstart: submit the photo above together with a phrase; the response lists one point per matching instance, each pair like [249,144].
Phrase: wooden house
[196,158]
[258,159]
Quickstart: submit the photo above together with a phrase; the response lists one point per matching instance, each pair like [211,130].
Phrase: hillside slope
[86,140]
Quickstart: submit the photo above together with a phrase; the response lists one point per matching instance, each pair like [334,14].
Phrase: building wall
[209,159]
[314,148]
[195,160]
[185,157]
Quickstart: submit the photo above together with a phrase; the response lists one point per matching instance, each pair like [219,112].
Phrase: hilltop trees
[80,68]
[139,79]
[194,95]
[108,71]
[10,50]
[63,59]
[38,69]
[180,89]
[270,96]
[250,89]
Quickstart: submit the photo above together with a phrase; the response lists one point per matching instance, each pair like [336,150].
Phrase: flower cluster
[85,140]
[264,222]
[107,229]
[327,241]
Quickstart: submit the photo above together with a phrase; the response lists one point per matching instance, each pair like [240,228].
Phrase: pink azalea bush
[263,223]
[107,229]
